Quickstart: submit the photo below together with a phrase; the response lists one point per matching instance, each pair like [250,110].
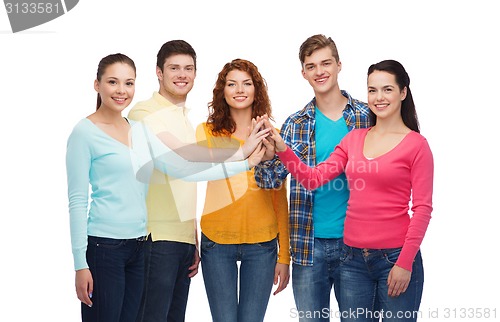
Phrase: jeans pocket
[345,254]
[106,243]
[391,255]
[206,243]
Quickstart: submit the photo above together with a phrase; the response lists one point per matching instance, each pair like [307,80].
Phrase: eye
[230,84]
[249,84]
[327,64]
[130,83]
[190,68]
[112,82]
[310,67]
[371,90]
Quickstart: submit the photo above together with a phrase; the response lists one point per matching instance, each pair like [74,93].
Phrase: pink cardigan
[381,191]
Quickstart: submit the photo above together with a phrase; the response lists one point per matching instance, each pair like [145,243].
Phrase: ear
[403,93]
[159,73]
[339,64]
[303,73]
[96,85]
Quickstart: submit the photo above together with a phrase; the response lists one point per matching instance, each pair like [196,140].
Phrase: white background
[449,48]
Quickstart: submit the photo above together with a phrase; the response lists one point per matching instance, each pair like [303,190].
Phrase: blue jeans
[117,267]
[220,274]
[167,282]
[312,285]
[363,275]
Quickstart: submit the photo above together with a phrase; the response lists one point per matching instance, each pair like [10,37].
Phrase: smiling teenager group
[359,204]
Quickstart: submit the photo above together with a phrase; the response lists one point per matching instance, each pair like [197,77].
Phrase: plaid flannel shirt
[298,132]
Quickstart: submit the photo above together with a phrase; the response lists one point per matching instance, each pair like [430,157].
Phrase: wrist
[280,149]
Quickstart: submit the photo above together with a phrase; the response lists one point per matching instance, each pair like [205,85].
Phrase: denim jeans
[364,274]
[220,274]
[312,285]
[167,282]
[117,267]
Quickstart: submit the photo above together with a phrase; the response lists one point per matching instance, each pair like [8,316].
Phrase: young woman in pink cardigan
[389,168]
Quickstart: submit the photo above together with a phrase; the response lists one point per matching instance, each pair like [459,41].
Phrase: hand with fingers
[84,285]
[274,137]
[256,156]
[281,277]
[267,141]
[193,269]
[257,132]
[398,281]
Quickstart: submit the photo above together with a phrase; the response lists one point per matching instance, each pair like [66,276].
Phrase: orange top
[237,211]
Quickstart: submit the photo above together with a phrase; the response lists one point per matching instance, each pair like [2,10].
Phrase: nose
[182,72]
[239,88]
[120,88]
[380,95]
[320,69]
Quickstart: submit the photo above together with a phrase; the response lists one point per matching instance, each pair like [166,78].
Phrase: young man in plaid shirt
[316,217]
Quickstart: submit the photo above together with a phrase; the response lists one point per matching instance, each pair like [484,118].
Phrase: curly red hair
[219,116]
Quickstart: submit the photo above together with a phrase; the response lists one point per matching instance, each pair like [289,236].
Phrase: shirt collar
[165,103]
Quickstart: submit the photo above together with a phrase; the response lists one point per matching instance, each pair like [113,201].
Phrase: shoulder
[355,103]
[83,127]
[303,115]
[81,134]
[419,139]
[146,106]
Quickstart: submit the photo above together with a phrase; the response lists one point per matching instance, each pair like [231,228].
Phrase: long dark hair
[408,111]
[219,117]
[108,61]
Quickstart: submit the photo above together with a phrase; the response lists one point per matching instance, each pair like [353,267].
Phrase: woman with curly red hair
[241,222]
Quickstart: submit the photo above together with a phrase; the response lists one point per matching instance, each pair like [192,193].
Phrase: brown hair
[219,116]
[108,61]
[314,43]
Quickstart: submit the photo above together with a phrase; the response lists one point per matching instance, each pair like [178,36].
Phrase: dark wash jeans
[363,275]
[117,267]
[166,285]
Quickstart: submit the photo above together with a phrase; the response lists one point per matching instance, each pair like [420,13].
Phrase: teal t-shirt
[330,200]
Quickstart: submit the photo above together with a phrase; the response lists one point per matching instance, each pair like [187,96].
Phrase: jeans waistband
[370,251]
[139,239]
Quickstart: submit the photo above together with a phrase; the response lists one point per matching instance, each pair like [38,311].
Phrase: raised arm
[198,153]
[154,154]
[310,178]
[270,174]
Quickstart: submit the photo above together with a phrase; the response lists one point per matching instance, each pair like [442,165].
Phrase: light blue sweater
[117,176]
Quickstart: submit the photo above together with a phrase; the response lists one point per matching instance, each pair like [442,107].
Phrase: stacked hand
[254,140]
[270,141]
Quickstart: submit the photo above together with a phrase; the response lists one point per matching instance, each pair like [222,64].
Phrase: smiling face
[321,70]
[239,91]
[116,86]
[177,77]
[384,95]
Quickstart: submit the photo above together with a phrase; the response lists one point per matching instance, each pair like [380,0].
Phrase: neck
[331,103]
[179,100]
[243,120]
[106,115]
[395,125]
